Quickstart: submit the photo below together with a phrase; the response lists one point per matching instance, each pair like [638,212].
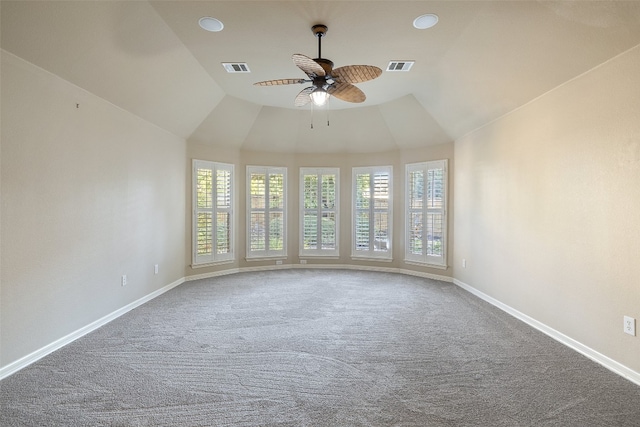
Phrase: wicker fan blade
[279,82]
[346,92]
[303,97]
[308,65]
[356,73]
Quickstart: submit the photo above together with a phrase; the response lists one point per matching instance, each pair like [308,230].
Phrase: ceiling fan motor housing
[326,64]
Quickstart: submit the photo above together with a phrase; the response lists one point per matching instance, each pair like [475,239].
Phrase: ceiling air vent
[236,67]
[400,65]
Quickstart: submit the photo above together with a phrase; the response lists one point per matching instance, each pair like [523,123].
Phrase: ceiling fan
[325,80]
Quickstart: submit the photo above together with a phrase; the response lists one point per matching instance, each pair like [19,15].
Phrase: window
[372,207]
[213,200]
[266,212]
[319,196]
[426,200]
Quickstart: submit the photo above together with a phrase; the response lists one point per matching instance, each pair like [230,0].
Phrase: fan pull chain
[312,115]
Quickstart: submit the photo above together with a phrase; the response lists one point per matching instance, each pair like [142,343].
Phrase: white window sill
[370,258]
[314,256]
[266,258]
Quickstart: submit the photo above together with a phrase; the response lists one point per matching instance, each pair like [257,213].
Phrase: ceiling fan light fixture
[210,24]
[319,97]
[326,81]
[425,21]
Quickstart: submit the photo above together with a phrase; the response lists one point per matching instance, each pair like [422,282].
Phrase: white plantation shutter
[319,196]
[266,216]
[426,186]
[372,212]
[212,212]
[223,211]
[362,237]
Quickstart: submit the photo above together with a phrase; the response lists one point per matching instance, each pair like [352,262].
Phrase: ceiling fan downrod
[319,31]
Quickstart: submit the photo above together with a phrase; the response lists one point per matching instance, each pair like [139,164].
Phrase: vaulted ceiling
[482,60]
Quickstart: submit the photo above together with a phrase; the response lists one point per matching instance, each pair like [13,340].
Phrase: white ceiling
[483,60]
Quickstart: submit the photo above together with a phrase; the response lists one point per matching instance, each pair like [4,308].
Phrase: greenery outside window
[372,213]
[266,212]
[426,216]
[213,201]
[319,199]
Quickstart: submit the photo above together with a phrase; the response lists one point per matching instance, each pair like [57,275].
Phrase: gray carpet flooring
[317,348]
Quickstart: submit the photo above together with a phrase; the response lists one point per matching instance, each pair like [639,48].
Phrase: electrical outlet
[124,280]
[464,263]
[303,261]
[629,325]
[155,269]
[279,262]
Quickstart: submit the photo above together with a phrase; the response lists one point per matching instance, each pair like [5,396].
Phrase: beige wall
[345,162]
[548,208]
[546,200]
[88,194]
[91,192]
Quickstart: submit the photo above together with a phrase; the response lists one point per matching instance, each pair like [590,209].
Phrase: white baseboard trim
[321,266]
[426,275]
[597,357]
[213,274]
[27,360]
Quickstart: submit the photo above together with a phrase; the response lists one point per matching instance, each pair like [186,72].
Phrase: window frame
[214,257]
[435,261]
[372,254]
[267,253]
[319,211]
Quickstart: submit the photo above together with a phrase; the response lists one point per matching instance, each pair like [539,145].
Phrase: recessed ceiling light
[425,21]
[210,24]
